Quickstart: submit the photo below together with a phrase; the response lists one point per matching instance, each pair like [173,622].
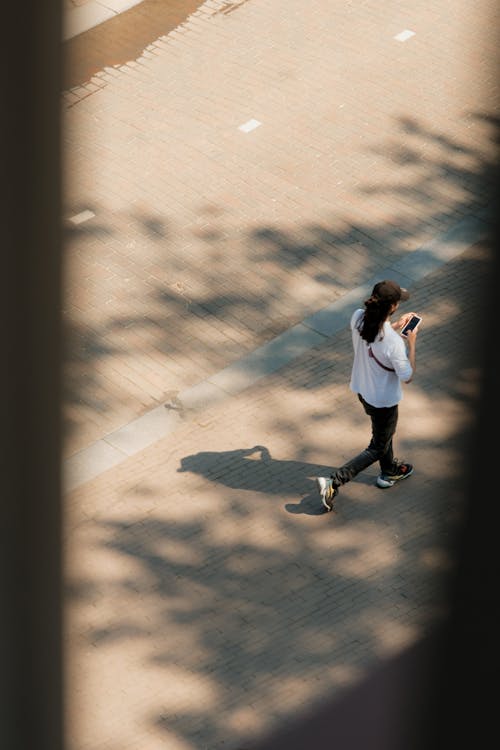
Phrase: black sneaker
[327,490]
[387,480]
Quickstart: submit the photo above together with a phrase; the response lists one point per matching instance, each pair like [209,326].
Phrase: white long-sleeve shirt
[379,387]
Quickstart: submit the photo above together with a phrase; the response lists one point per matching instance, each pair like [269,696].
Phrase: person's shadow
[255,469]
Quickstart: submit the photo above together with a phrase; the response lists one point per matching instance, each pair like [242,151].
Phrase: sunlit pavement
[247,168]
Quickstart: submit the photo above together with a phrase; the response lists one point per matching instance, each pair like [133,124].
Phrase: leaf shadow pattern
[251,617]
[183,301]
[246,617]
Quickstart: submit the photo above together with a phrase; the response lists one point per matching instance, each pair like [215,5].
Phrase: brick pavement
[207,242]
[210,599]
[208,605]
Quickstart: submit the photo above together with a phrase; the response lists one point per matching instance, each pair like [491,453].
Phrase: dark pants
[384,421]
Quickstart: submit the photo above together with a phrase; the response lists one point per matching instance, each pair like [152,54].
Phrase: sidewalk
[209,586]
[231,194]
[175,214]
[321,327]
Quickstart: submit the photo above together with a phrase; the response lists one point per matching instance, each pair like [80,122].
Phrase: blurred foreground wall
[30,622]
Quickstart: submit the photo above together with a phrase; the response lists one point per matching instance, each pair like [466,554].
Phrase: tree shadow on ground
[190,314]
[256,618]
[261,616]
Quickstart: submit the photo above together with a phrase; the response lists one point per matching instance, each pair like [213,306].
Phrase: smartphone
[411,325]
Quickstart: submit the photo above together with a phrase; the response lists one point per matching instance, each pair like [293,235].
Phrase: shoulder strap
[371,354]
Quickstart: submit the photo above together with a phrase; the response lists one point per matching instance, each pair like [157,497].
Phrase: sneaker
[387,480]
[327,491]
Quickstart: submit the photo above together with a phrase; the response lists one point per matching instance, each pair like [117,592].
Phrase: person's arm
[412,352]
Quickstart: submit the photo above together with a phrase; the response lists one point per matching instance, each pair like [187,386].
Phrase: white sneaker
[327,491]
[388,480]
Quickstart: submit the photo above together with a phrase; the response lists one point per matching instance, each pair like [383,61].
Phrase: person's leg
[384,422]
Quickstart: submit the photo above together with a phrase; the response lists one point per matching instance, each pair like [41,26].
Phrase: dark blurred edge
[442,691]
[30,619]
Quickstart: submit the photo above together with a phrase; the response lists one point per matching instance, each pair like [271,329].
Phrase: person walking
[383,361]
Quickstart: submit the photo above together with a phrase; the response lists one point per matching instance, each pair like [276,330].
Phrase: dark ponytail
[376,313]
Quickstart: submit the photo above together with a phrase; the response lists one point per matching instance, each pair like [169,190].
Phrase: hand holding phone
[411,325]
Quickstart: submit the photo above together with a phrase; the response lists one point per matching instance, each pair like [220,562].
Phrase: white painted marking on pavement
[81,217]
[250,125]
[404,35]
